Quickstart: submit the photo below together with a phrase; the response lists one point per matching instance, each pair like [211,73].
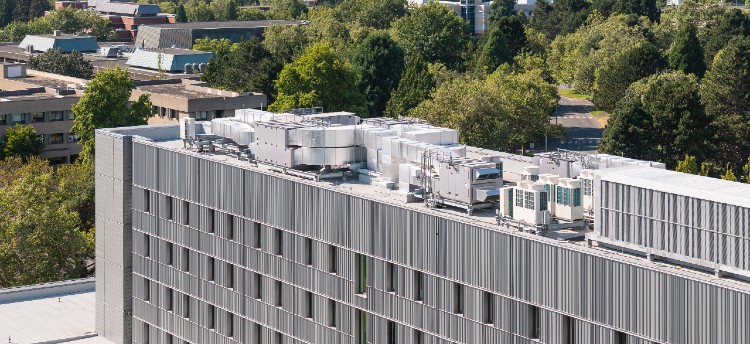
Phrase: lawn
[571,93]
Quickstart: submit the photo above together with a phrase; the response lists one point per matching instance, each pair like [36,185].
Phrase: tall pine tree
[415,86]
[181,15]
[686,53]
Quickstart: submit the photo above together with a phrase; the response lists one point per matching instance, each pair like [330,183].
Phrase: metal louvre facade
[226,254]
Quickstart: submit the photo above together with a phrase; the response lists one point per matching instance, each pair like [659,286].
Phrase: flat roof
[167,137]
[221,25]
[179,90]
[64,36]
[683,184]
[62,316]
[174,51]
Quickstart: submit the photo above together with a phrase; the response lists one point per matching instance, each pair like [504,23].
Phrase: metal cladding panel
[298,244]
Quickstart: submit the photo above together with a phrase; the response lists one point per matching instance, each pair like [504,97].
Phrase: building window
[621,338]
[186,306]
[72,138]
[230,227]
[361,265]
[17,119]
[168,302]
[146,245]
[258,286]
[55,116]
[571,329]
[71,115]
[185,259]
[418,286]
[391,329]
[37,117]
[279,287]
[458,298]
[391,277]
[3,120]
[168,208]
[536,322]
[146,290]
[332,313]
[278,242]
[333,264]
[543,200]
[146,334]
[230,325]
[310,305]
[168,253]
[229,280]
[257,236]
[488,308]
[210,262]
[362,324]
[186,213]
[56,138]
[418,337]
[146,201]
[210,314]
[201,115]
[308,251]
[210,220]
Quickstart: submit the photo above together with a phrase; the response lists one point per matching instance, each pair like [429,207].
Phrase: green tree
[645,8]
[433,32]
[505,111]
[6,12]
[729,174]
[688,165]
[200,12]
[224,10]
[54,61]
[319,78]
[285,43]
[248,67]
[513,31]
[42,241]
[379,62]
[286,9]
[414,86]
[494,53]
[705,169]
[499,9]
[746,171]
[628,131]
[181,15]
[218,46]
[631,65]
[686,53]
[22,142]
[561,17]
[720,30]
[26,10]
[378,14]
[105,104]
[251,14]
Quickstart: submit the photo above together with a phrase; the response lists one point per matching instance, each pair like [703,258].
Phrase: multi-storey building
[305,240]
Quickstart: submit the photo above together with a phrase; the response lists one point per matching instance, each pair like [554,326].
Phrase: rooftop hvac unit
[196,68]
[187,128]
[29,48]
[188,68]
[202,67]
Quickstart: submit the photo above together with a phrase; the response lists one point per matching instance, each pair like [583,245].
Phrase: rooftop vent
[57,33]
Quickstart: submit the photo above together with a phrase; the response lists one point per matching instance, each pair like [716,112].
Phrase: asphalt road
[583,131]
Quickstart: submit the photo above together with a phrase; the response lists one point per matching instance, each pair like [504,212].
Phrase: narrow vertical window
[186,213]
[571,329]
[168,253]
[257,236]
[168,300]
[146,290]
[185,259]
[230,227]
[310,305]
[279,243]
[308,251]
[230,325]
[146,201]
[620,337]
[146,334]
[210,261]
[333,264]
[332,313]
[488,308]
[146,246]
[168,208]
[210,221]
[258,333]
[418,337]
[186,306]
[362,324]
[418,286]
[259,286]
[279,294]
[230,276]
[391,277]
[391,332]
[361,261]
[535,315]
[458,298]
[210,314]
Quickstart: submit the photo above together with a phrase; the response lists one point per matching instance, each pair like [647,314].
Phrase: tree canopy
[244,67]
[434,33]
[414,86]
[54,61]
[319,79]
[686,53]
[21,142]
[379,62]
[629,66]
[494,53]
[378,14]
[105,104]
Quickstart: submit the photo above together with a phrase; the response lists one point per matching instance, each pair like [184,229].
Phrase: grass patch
[601,117]
[599,113]
[570,93]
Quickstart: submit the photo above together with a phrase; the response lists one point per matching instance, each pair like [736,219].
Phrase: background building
[183,35]
[57,40]
[323,239]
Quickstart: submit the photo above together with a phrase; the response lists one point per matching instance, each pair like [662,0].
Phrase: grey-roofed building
[183,35]
[128,8]
[66,43]
[203,246]
[172,60]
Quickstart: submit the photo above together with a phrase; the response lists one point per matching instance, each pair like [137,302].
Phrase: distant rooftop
[129,8]
[60,312]
[171,60]
[226,24]
[66,43]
